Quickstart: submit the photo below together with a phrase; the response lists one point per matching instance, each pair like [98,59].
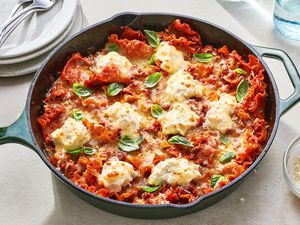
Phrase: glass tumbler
[287,18]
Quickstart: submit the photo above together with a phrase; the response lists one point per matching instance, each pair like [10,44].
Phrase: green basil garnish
[88,150]
[203,57]
[240,71]
[215,179]
[74,152]
[81,90]
[224,139]
[85,150]
[139,140]
[128,144]
[156,111]
[76,114]
[179,140]
[113,47]
[149,188]
[241,91]
[114,89]
[151,61]
[227,157]
[153,79]
[152,38]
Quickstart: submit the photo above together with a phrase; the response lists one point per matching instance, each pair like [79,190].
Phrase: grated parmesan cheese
[297,171]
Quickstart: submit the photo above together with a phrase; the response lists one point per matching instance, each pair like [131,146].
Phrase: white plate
[37,30]
[31,66]
[39,52]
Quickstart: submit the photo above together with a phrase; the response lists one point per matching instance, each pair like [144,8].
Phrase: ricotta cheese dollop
[113,58]
[72,135]
[171,59]
[182,86]
[218,117]
[174,171]
[117,174]
[125,117]
[179,119]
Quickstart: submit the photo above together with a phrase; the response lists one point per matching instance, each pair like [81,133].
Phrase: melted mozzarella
[115,58]
[182,86]
[171,59]
[174,171]
[218,116]
[178,120]
[124,117]
[71,135]
[117,174]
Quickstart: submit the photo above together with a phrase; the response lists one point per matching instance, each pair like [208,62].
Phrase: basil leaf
[179,140]
[227,157]
[153,79]
[76,114]
[113,47]
[203,57]
[156,111]
[150,189]
[85,150]
[128,145]
[152,38]
[88,150]
[114,89]
[241,91]
[224,139]
[240,71]
[74,152]
[81,90]
[139,140]
[215,179]
[151,61]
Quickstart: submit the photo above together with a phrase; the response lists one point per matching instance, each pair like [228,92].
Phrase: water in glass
[287,18]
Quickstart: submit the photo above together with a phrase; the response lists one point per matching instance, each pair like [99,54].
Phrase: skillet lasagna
[156,117]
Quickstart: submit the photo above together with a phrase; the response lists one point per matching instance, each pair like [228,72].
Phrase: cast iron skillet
[26,130]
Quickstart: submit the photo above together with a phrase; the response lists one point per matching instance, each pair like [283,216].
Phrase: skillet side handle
[288,103]
[18,132]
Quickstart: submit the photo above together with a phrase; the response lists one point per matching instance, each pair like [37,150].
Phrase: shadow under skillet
[252,201]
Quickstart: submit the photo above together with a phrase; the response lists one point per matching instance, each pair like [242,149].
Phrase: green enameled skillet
[26,130]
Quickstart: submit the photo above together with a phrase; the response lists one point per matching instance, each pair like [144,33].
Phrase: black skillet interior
[94,37]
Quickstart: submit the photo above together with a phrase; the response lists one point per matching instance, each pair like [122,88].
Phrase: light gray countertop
[30,195]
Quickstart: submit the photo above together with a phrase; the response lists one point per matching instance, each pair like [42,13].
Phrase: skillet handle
[18,132]
[288,103]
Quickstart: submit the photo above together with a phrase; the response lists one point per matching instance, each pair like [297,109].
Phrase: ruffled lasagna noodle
[198,102]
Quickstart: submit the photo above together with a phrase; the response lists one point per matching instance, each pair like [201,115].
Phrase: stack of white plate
[27,47]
